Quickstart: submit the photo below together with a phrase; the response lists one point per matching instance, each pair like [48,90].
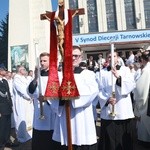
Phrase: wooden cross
[61,12]
[60,19]
[60,23]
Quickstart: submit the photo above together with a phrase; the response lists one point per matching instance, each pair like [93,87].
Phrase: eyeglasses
[76,56]
[110,56]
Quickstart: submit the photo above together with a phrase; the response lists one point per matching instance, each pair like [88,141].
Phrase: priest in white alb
[23,106]
[142,102]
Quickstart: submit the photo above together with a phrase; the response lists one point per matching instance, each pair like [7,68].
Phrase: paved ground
[136,145]
[24,146]
[27,145]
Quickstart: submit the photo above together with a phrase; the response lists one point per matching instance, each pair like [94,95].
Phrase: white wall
[25,27]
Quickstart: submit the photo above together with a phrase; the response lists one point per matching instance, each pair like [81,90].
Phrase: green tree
[4,41]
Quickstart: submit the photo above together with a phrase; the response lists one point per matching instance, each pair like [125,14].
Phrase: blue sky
[4,5]
[3,9]
[54,4]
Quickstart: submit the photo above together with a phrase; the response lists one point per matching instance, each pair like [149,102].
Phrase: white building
[125,22]
[27,32]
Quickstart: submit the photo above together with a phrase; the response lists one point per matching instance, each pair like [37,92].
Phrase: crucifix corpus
[60,22]
[61,39]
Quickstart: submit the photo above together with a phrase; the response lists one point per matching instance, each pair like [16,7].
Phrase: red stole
[52,89]
[68,89]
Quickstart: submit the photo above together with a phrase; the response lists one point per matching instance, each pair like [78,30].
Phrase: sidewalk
[27,145]
[24,146]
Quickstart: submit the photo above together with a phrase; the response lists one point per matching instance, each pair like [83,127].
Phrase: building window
[73,4]
[147,13]
[92,15]
[111,15]
[130,14]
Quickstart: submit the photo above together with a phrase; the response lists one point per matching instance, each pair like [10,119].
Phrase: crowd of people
[122,91]
[16,107]
[132,89]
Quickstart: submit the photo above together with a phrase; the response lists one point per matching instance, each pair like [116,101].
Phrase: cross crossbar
[48,14]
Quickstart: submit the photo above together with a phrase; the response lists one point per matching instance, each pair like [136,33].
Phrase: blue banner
[100,38]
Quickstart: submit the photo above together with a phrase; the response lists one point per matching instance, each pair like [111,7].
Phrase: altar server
[116,126]
[42,127]
[82,119]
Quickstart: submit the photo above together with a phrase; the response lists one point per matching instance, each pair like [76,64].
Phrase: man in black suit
[5,109]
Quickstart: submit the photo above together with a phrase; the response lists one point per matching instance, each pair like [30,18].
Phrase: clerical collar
[117,67]
[108,68]
[44,72]
[78,70]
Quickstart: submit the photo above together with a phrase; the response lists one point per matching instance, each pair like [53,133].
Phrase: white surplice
[23,108]
[123,107]
[48,122]
[82,118]
[141,103]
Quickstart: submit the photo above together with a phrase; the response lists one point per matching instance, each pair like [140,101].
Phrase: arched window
[92,16]
[73,4]
[111,15]
[147,13]
[130,14]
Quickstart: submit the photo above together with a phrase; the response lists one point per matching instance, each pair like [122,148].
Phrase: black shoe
[144,144]
[10,144]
